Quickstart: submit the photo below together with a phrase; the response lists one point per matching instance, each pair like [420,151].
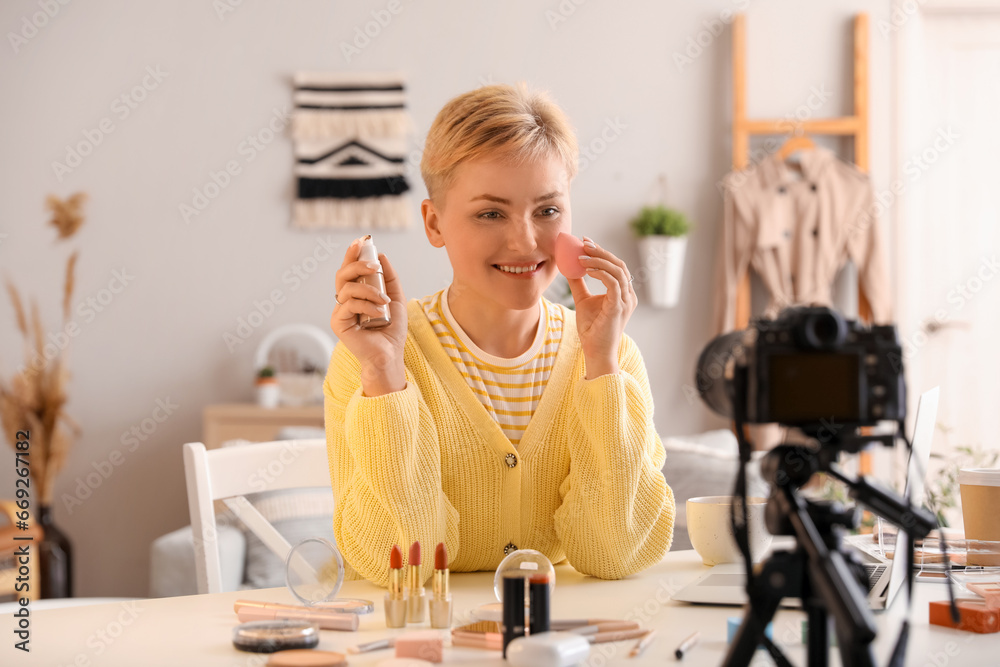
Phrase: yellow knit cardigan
[429,463]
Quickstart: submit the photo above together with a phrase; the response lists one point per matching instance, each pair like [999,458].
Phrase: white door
[949,220]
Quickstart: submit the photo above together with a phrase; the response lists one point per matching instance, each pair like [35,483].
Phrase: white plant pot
[268,394]
[663,261]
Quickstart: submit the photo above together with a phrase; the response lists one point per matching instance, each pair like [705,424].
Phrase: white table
[196,630]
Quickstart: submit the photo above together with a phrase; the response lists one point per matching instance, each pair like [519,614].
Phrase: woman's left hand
[601,318]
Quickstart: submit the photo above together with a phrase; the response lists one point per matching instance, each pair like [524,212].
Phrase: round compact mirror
[314,573]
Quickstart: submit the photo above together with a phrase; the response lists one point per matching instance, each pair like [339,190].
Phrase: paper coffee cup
[980,499]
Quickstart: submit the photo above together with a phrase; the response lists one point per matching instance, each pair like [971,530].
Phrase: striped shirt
[509,389]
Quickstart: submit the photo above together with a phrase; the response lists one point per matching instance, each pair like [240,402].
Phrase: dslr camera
[808,368]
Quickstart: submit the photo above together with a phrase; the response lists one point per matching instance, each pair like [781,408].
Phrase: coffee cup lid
[979,476]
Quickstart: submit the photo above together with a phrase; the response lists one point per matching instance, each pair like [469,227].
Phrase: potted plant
[268,392]
[662,235]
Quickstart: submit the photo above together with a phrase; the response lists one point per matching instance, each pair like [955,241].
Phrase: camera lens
[824,330]
[710,378]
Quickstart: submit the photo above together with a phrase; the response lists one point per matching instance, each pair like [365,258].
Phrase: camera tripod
[826,578]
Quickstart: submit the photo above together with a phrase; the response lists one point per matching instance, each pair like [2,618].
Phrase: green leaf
[660,221]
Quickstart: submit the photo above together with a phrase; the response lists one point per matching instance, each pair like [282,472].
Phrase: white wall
[162,336]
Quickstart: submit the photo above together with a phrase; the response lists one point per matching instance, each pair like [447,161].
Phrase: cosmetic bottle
[377,280]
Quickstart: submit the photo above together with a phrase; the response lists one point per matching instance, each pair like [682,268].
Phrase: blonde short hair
[502,121]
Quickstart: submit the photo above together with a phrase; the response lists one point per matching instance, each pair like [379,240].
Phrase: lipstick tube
[538,600]
[368,253]
[440,603]
[395,599]
[513,609]
[326,621]
[416,600]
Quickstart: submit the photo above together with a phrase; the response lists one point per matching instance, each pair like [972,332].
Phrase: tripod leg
[853,653]
[819,637]
[751,632]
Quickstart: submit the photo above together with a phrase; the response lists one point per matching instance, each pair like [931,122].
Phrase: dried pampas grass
[34,398]
[67,216]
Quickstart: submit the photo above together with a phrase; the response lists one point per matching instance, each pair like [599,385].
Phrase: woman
[484,416]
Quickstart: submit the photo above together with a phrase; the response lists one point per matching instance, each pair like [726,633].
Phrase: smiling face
[499,223]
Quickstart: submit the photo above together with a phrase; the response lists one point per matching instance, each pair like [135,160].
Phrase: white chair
[227,474]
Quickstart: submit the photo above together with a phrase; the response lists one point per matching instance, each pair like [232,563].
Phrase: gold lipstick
[440,604]
[415,588]
[395,599]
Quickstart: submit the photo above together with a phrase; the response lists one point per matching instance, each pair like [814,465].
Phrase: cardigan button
[511,460]
[509,549]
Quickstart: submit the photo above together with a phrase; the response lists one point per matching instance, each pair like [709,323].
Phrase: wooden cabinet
[252,422]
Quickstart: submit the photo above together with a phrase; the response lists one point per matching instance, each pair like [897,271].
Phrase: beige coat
[797,228]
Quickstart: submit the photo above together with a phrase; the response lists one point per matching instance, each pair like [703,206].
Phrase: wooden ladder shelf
[855,126]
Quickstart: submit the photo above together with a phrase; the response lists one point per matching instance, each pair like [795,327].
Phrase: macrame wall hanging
[350,131]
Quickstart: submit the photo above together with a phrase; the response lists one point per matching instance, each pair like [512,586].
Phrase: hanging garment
[797,229]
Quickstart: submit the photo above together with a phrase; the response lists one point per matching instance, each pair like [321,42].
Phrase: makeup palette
[271,636]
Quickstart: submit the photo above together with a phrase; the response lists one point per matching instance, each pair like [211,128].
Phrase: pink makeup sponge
[426,645]
[568,251]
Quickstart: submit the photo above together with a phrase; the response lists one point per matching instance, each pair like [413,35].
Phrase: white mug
[710,528]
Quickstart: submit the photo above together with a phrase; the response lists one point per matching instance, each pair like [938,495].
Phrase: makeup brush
[608,626]
[569,623]
[615,636]
[415,589]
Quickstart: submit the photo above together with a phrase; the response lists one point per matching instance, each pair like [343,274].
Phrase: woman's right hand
[379,351]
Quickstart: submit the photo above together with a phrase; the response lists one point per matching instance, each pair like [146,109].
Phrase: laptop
[726,584]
